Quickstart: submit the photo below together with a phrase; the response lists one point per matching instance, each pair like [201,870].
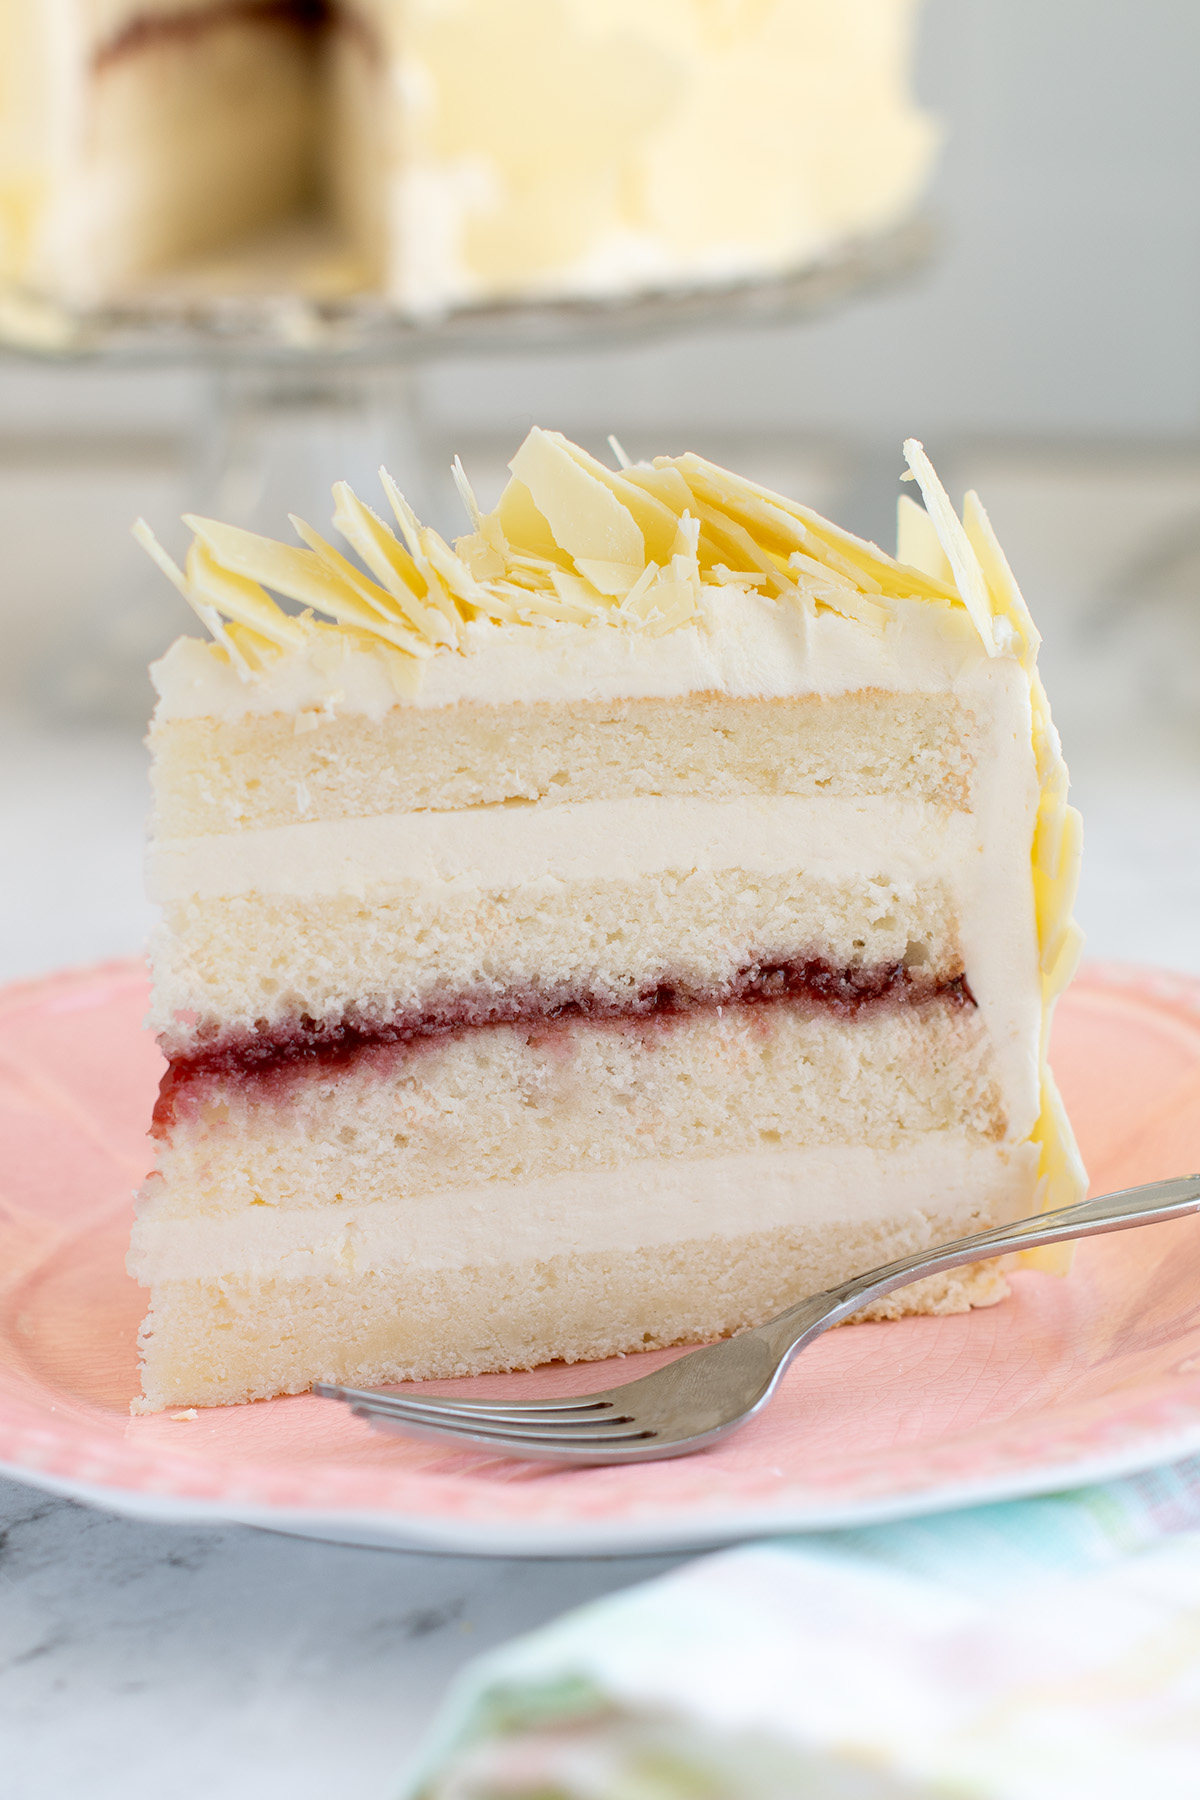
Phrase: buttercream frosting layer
[647,1203]
[519,845]
[749,646]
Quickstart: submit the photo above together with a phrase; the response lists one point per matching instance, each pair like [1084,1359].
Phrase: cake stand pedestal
[273,437]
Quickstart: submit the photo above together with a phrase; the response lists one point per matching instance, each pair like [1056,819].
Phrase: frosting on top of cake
[743,644]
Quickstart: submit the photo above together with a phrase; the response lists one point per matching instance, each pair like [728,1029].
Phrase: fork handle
[1149,1205]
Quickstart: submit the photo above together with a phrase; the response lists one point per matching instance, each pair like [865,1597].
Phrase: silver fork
[702,1397]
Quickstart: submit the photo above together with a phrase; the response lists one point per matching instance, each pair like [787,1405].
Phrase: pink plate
[1065,1382]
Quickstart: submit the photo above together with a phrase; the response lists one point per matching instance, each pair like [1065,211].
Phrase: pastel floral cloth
[1044,1649]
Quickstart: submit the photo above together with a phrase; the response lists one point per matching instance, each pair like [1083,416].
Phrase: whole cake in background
[594,935]
[460,151]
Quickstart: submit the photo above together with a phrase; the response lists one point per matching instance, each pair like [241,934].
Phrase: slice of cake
[458,151]
[595,935]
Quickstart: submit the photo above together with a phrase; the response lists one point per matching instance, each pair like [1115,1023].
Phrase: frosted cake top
[646,549]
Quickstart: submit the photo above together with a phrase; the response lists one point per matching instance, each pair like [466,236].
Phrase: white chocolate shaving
[969,577]
[466,492]
[643,548]
[585,517]
[240,598]
[1006,596]
[917,541]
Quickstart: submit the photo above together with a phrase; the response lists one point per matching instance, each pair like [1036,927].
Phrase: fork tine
[594,1415]
[554,1422]
[489,1409]
[602,1426]
[582,1406]
[532,1450]
[483,1421]
[503,1436]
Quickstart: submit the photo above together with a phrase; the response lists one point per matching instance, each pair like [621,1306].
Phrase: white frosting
[749,646]
[522,843]
[659,1201]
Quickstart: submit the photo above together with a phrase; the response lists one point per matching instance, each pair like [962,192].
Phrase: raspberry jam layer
[297,1044]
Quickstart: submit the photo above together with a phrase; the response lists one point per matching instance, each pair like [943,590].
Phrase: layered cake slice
[594,935]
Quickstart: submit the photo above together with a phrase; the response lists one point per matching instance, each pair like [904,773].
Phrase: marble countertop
[142,1660]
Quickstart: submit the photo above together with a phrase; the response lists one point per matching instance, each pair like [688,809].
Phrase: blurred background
[1047,352]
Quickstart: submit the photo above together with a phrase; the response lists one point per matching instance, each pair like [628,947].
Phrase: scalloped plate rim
[539,1541]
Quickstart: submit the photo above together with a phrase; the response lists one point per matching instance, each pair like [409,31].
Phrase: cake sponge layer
[246,963]
[516,1103]
[215,775]
[219,1342]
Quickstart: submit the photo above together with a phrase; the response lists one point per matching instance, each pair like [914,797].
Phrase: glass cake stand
[300,390]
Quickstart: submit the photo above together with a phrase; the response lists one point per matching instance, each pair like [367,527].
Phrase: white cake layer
[590,1211]
[230,1339]
[233,970]
[515,1103]
[218,775]
[219,1343]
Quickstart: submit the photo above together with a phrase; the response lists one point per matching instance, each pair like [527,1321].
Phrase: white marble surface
[140,1660]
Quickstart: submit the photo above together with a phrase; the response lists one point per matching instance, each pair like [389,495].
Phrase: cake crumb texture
[506,1104]
[222,1343]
